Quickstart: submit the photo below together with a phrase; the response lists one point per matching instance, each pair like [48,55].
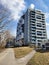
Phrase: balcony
[33,28]
[38,27]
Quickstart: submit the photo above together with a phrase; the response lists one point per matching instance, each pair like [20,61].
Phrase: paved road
[8,58]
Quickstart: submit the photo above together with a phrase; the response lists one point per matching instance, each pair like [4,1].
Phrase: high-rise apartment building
[32,27]
[20,30]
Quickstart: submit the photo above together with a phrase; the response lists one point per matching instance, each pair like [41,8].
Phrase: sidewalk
[24,60]
[8,58]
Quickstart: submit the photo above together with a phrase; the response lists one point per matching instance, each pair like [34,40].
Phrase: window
[39,41]
[33,39]
[43,46]
[32,32]
[20,21]
[39,44]
[22,28]
[38,16]
[32,25]
[39,33]
[20,33]
[39,24]
[44,34]
[32,12]
[43,26]
[44,31]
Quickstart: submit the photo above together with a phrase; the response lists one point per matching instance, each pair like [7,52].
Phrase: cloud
[47,24]
[32,6]
[47,15]
[47,28]
[47,19]
[47,34]
[15,6]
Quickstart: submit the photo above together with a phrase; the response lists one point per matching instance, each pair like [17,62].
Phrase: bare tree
[5,19]
[5,37]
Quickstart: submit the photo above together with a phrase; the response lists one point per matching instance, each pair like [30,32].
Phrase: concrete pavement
[8,58]
[24,60]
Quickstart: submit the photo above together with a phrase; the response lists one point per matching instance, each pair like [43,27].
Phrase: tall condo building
[32,27]
[20,31]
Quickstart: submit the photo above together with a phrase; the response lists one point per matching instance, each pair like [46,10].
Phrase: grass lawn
[22,51]
[40,59]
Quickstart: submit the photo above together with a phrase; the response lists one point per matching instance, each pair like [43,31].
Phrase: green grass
[40,59]
[22,51]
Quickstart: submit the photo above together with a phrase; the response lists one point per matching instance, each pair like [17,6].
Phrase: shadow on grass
[42,51]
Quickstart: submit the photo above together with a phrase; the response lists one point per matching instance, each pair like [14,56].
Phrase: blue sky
[17,8]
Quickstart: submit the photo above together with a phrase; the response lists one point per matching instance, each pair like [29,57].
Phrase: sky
[18,7]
